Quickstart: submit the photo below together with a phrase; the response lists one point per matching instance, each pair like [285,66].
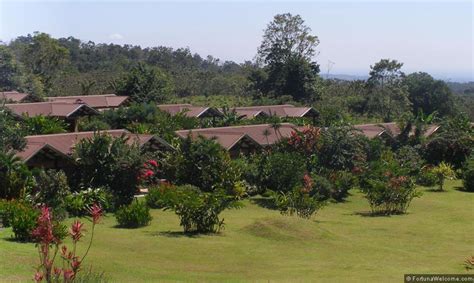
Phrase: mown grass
[340,244]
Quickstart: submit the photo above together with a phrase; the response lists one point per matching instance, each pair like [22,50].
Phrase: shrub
[342,181]
[105,161]
[199,211]
[51,188]
[443,171]
[15,178]
[79,203]
[409,158]
[22,219]
[301,200]
[202,163]
[426,177]
[281,171]
[134,215]
[468,176]
[156,195]
[387,187]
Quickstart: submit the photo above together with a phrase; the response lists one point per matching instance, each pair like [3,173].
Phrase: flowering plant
[150,174]
[48,247]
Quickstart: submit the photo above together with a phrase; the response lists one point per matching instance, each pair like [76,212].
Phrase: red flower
[64,251]
[153,162]
[75,264]
[68,275]
[38,276]
[96,213]
[56,271]
[148,173]
[75,231]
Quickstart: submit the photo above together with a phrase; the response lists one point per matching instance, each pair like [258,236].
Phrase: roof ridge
[79,133]
[236,127]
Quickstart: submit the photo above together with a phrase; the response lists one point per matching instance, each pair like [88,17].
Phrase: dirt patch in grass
[282,229]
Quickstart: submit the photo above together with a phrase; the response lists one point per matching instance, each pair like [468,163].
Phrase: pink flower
[38,276]
[153,162]
[68,275]
[96,213]
[75,264]
[75,231]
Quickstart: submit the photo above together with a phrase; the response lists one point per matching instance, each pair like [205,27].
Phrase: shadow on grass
[463,190]
[373,214]
[435,190]
[180,234]
[267,203]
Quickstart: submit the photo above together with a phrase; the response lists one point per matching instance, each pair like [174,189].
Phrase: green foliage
[387,187]
[298,202]
[409,158]
[105,161]
[11,132]
[199,211]
[342,182]
[280,171]
[9,70]
[15,178]
[429,95]
[202,163]
[443,171]
[134,215]
[79,203]
[145,84]
[50,189]
[426,177]
[341,149]
[22,217]
[155,197]
[468,176]
[43,125]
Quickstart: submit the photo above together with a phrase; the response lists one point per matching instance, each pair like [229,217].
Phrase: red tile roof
[14,96]
[228,135]
[189,110]
[55,109]
[96,101]
[375,130]
[64,143]
[285,110]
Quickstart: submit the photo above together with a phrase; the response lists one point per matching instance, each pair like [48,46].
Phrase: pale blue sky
[432,36]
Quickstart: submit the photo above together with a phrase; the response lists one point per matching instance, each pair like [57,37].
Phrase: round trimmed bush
[134,215]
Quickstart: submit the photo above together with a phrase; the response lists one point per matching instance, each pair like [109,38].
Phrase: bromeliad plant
[48,243]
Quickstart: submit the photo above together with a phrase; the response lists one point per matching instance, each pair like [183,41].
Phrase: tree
[443,171]
[8,70]
[11,132]
[388,94]
[145,84]
[44,57]
[286,52]
[429,95]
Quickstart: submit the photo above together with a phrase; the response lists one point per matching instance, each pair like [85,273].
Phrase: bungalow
[378,130]
[13,96]
[243,139]
[55,151]
[190,111]
[285,110]
[100,102]
[66,111]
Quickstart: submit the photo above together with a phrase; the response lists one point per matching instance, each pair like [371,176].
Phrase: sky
[431,36]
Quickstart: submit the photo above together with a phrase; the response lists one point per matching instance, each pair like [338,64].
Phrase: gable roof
[263,134]
[284,110]
[54,109]
[189,110]
[376,130]
[14,96]
[95,101]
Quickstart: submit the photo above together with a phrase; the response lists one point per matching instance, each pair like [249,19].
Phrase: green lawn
[338,244]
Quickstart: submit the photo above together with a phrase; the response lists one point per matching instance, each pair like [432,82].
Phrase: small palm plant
[443,171]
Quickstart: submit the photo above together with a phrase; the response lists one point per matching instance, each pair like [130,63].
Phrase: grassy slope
[339,244]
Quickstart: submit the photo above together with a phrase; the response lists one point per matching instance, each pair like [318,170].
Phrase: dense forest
[45,66]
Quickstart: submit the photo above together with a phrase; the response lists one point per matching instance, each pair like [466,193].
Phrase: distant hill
[344,77]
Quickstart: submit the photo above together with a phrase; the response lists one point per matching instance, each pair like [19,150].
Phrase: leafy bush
[281,171]
[199,211]
[202,163]
[15,178]
[79,203]
[22,218]
[51,188]
[297,201]
[105,161]
[387,186]
[134,215]
[468,176]
[342,182]
[44,125]
[409,158]
[156,195]
[426,177]
[443,171]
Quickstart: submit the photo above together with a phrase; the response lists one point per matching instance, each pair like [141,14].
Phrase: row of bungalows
[250,112]
[56,150]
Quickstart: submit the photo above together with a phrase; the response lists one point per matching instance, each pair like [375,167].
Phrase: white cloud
[116,36]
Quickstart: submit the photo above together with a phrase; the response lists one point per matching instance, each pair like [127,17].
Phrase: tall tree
[286,51]
[388,94]
[429,95]
[145,84]
[8,70]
